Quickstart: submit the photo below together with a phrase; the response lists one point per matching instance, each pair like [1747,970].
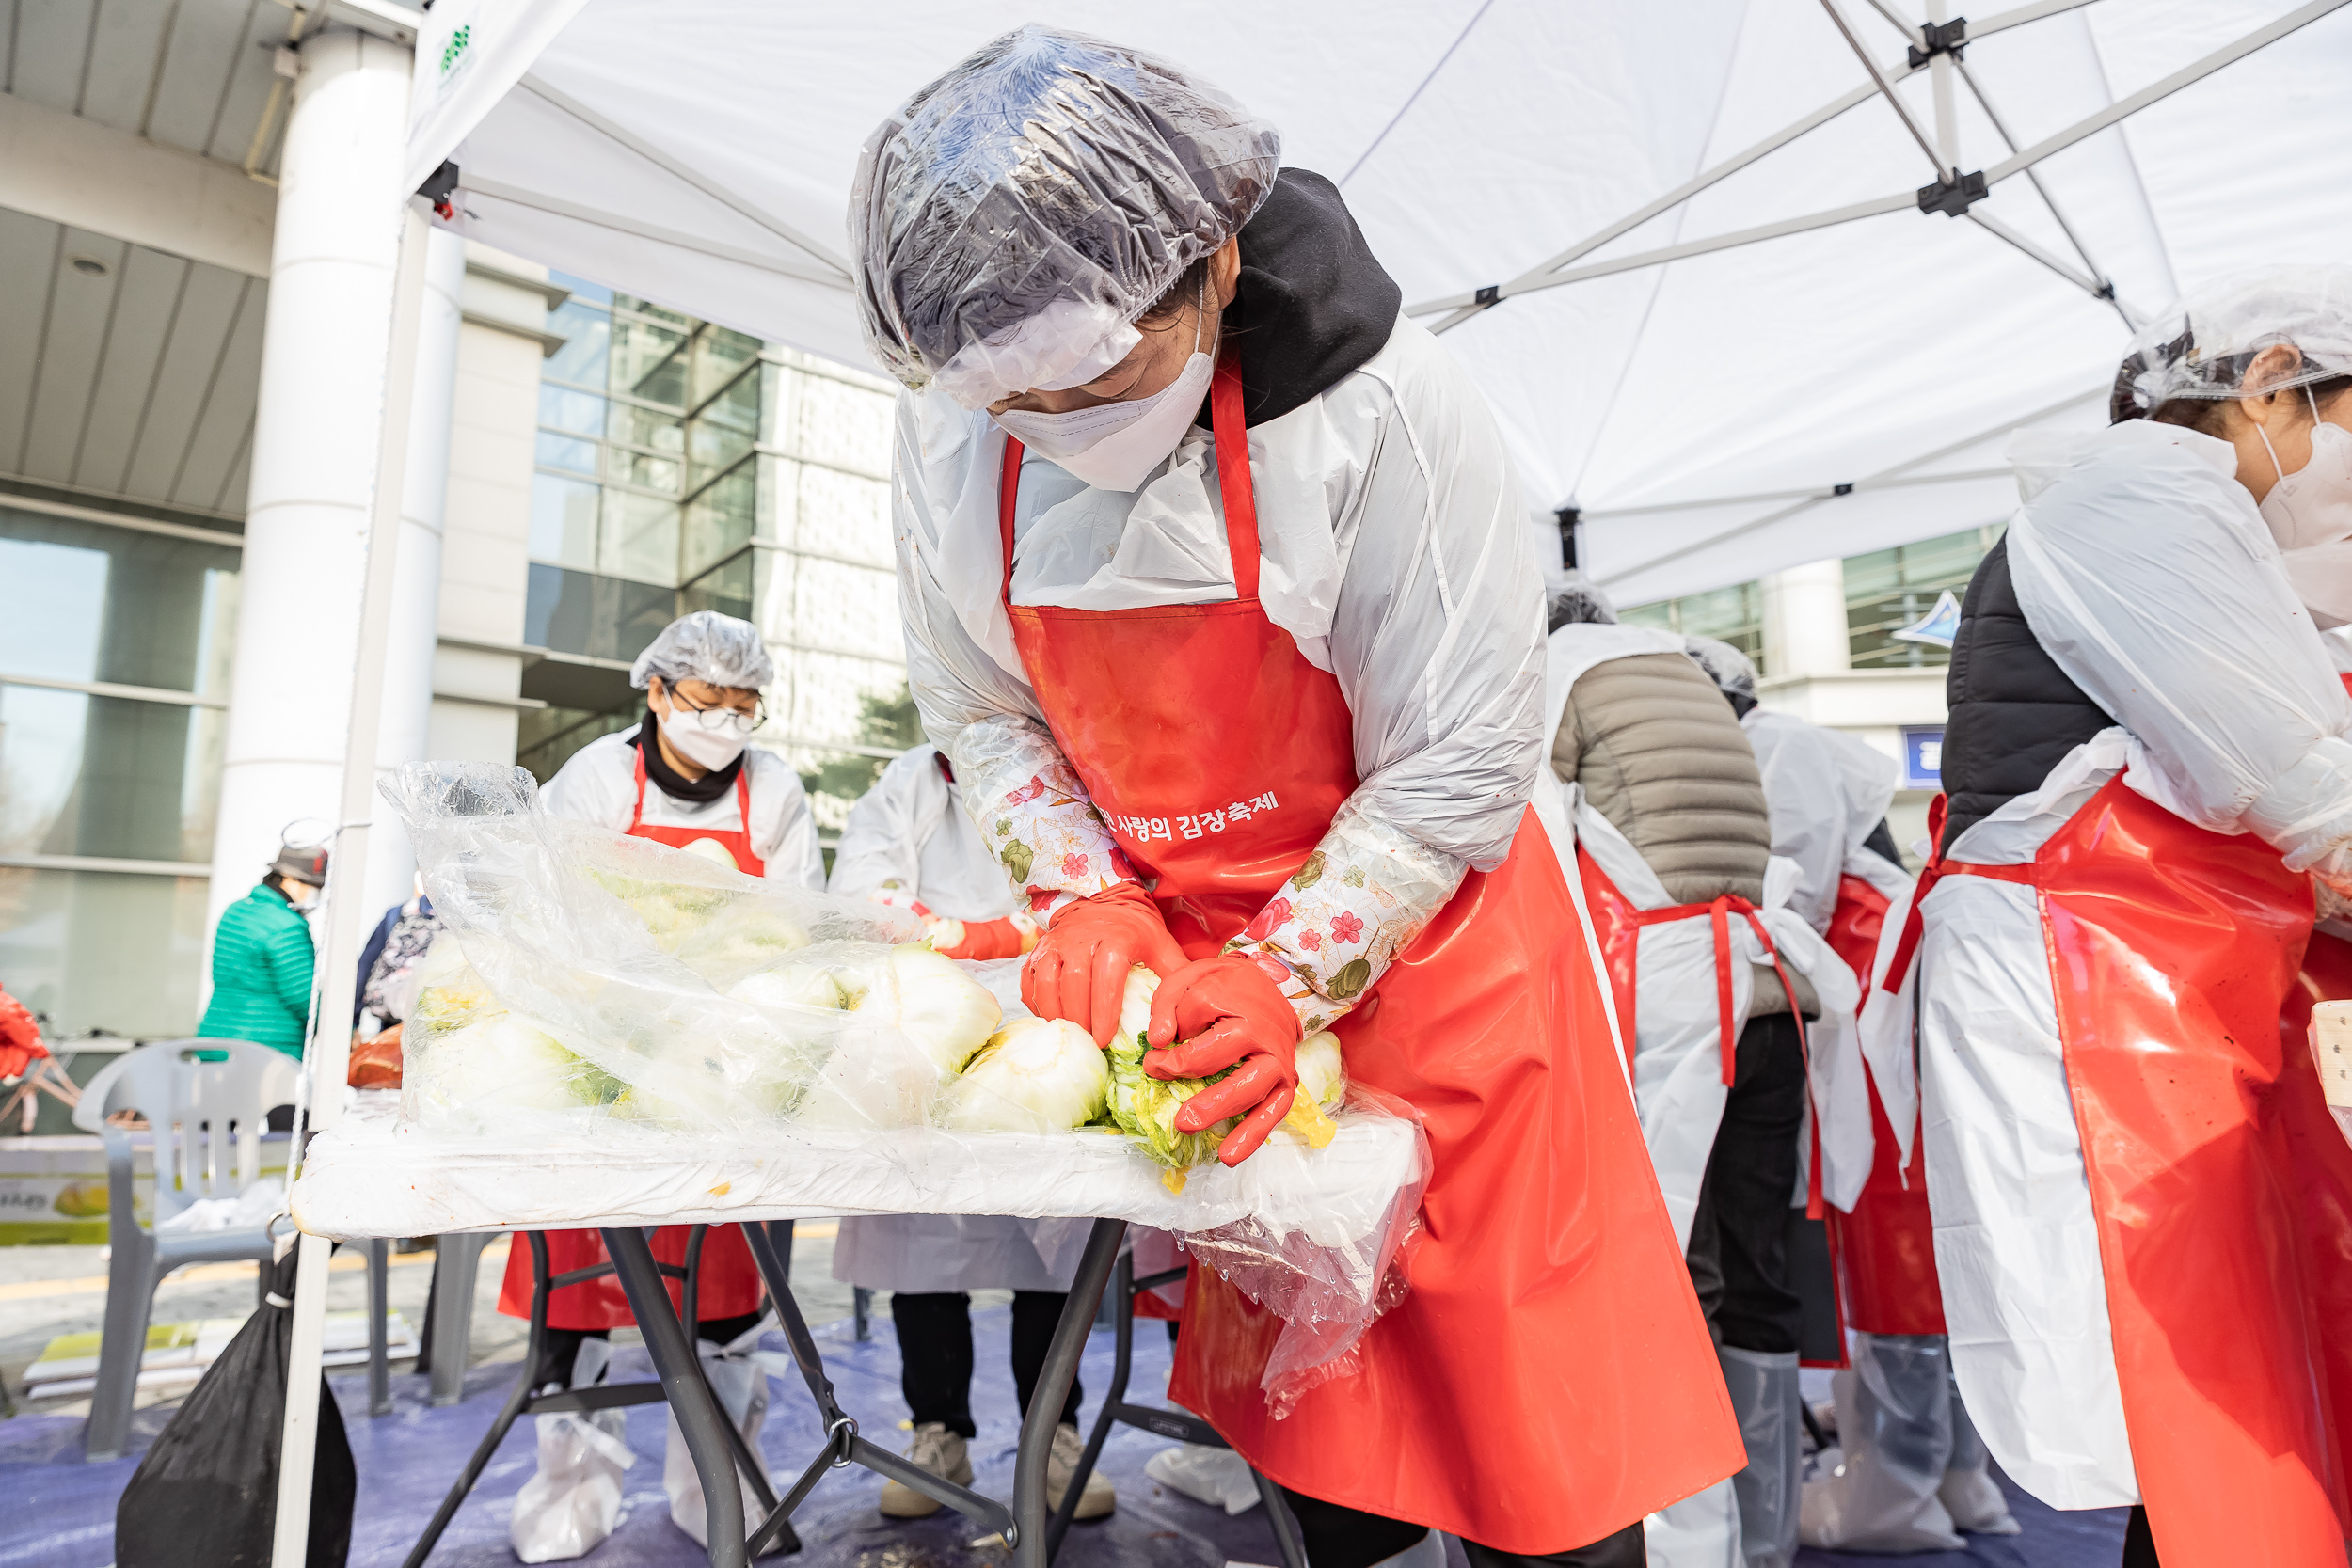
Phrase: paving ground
[60,1510]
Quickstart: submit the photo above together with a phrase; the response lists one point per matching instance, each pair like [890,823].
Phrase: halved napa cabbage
[1034,1075]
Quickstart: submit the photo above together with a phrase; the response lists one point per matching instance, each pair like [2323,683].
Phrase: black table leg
[1053,1387]
[698,1414]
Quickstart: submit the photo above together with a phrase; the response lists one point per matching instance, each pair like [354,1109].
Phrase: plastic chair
[207,1102]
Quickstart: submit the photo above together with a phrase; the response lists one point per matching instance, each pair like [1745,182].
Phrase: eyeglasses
[716,717]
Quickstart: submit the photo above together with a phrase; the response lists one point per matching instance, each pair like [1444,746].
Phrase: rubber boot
[1700,1531]
[1764,1397]
[1876,1491]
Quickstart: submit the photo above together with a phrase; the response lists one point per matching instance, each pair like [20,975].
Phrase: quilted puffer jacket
[1662,755]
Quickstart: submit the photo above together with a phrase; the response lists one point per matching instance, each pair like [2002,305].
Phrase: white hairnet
[1576,600]
[2202,346]
[1013,217]
[706,646]
[1725,665]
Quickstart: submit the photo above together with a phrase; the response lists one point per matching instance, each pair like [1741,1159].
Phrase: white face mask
[2310,515]
[1114,446]
[712,737]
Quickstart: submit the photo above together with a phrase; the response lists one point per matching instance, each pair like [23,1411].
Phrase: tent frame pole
[1463,306]
[326,1061]
[1886,88]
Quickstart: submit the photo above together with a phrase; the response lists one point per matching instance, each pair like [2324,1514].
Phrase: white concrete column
[408,716]
[322,359]
[1805,621]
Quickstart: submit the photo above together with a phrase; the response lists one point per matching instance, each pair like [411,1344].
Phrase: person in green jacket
[263,957]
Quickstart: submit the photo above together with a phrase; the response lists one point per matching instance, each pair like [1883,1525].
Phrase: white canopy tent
[1724,328]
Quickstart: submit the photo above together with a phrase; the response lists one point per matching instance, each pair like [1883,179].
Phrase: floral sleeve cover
[1368,889]
[1034,813]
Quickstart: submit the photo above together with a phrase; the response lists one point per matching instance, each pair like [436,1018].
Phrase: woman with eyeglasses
[687,777]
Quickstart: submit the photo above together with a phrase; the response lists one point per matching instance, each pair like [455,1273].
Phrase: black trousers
[1338,1537]
[1739,1254]
[2139,1545]
[560,1350]
[935,1354]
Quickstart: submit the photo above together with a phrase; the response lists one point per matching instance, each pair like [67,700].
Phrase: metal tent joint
[438,186]
[1953,198]
[1489,297]
[1940,38]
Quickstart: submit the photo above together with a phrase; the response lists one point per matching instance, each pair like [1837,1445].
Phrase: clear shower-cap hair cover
[1577,599]
[706,646]
[1725,665]
[1013,218]
[2202,346]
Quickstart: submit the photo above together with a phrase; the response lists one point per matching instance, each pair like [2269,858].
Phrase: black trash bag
[206,1494]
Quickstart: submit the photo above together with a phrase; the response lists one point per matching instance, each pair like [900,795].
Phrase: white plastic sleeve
[1034,813]
[1359,900]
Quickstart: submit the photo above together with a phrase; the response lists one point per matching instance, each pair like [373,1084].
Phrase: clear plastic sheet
[1013,218]
[1327,1288]
[612,1031]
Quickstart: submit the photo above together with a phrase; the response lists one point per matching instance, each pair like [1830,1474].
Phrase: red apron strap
[1915,921]
[1233,483]
[1232,476]
[1719,916]
[743,804]
[637,812]
[1008,491]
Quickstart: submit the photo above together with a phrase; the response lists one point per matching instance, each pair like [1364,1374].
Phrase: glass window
[106,776]
[639,538]
[1733,615]
[594,294]
[88,602]
[648,428]
[719,521]
[104,950]
[580,413]
[547,738]
[724,430]
[604,617]
[567,451]
[1889,590]
[727,588]
[587,333]
[564,520]
[649,361]
[648,474]
[720,355]
[647,308]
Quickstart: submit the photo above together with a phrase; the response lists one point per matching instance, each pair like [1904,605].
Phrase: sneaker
[940,1451]
[1098,1498]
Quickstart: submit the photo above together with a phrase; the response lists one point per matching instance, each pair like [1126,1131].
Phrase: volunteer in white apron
[2147,765]
[686,777]
[1909,1470]
[1249,693]
[1666,829]
[909,843]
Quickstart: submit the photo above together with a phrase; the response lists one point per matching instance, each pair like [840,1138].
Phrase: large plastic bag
[207,1491]
[740,1379]
[573,1500]
[591,982]
[590,985]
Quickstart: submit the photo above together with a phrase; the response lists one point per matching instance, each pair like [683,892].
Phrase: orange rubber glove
[20,1037]
[1210,1015]
[376,1064]
[1079,970]
[983,939]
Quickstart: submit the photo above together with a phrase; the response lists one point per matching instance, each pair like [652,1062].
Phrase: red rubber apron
[1617,923]
[729,1280]
[2172,950]
[1548,1380]
[1886,1248]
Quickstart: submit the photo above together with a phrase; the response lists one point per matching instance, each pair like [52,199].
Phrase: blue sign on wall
[1923,756]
